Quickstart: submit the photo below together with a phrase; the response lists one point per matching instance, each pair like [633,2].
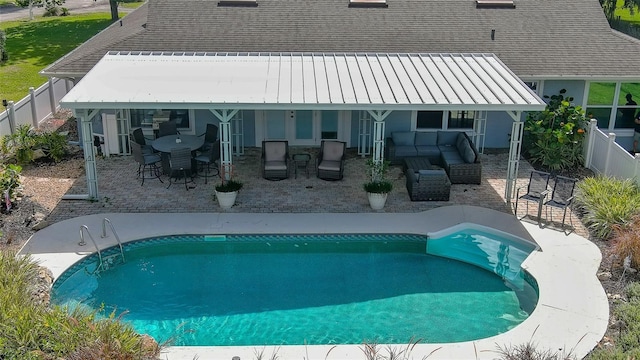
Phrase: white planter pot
[376,200]
[226,199]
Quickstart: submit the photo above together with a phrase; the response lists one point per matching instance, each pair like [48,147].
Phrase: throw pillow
[403,138]
[469,156]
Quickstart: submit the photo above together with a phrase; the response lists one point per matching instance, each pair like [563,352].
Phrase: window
[613,105]
[429,120]
[461,119]
[144,117]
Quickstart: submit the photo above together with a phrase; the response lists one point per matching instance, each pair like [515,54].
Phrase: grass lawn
[624,14]
[32,45]
[128,5]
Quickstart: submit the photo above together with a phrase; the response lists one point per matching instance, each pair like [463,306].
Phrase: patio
[120,191]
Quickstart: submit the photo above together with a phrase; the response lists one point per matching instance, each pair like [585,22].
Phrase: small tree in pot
[378,188]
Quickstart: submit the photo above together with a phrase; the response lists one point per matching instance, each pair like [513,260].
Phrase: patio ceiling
[294,81]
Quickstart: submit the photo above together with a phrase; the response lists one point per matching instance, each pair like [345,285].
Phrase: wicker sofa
[452,150]
[428,185]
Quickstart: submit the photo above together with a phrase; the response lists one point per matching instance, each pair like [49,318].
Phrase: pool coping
[571,316]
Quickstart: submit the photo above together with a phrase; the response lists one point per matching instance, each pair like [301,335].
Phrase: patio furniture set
[275,161]
[178,156]
[432,161]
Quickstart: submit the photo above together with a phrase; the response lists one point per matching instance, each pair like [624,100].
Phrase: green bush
[553,138]
[26,144]
[31,330]
[606,202]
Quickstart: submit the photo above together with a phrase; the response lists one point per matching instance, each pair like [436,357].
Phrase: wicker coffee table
[416,163]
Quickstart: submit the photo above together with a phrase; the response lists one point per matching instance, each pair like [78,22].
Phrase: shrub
[553,138]
[529,351]
[605,202]
[26,145]
[10,184]
[626,240]
[30,330]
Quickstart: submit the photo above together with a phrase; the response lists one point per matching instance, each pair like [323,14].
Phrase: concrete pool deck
[571,316]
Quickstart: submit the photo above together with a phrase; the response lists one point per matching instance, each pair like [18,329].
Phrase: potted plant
[378,188]
[226,192]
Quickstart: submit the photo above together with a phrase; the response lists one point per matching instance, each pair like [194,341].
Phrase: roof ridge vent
[368,3]
[239,3]
[495,4]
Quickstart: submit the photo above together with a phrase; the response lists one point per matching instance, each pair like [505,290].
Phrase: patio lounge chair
[537,190]
[274,161]
[330,161]
[146,162]
[562,197]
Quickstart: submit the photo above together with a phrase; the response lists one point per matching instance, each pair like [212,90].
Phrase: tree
[114,10]
[609,7]
[4,55]
[31,3]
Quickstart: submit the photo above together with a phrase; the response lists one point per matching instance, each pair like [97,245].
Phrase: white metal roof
[301,81]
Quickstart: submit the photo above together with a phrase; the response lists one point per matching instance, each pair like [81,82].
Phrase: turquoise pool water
[307,289]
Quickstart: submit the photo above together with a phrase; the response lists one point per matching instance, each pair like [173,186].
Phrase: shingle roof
[539,38]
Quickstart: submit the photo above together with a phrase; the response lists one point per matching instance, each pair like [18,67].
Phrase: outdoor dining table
[166,143]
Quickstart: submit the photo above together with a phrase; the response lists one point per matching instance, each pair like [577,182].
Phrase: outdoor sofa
[452,150]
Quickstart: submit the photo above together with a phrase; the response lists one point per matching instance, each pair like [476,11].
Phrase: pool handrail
[113,230]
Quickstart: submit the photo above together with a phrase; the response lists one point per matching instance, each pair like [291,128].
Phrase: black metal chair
[146,162]
[210,136]
[208,158]
[180,165]
[138,137]
[561,197]
[537,190]
[167,128]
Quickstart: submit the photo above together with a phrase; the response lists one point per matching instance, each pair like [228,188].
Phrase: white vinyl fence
[35,107]
[606,157]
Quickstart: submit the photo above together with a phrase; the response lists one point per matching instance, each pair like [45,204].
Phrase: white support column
[52,95]
[378,133]
[89,154]
[514,157]
[225,116]
[610,145]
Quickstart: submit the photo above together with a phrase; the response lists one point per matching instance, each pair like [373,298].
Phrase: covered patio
[376,84]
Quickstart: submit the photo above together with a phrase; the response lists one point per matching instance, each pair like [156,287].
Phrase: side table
[301,161]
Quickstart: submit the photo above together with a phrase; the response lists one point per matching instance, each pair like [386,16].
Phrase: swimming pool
[312,289]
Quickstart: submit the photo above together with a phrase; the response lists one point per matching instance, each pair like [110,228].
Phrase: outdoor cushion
[426,138]
[275,165]
[422,174]
[275,151]
[448,148]
[462,145]
[430,151]
[329,165]
[403,138]
[333,151]
[447,137]
[460,139]
[468,155]
[406,151]
[451,157]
